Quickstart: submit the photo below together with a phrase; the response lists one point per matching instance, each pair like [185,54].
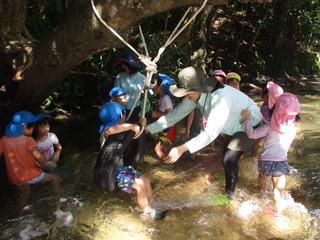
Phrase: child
[47,142]
[166,137]
[269,95]
[131,81]
[219,75]
[118,95]
[20,152]
[278,134]
[233,80]
[112,115]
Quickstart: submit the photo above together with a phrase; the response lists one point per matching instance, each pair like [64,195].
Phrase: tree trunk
[283,7]
[78,37]
[15,40]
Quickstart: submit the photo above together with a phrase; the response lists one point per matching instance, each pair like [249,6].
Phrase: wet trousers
[230,163]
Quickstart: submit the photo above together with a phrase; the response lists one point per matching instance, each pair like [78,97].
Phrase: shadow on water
[190,189]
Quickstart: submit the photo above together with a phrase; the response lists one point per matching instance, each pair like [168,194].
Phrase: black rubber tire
[116,146]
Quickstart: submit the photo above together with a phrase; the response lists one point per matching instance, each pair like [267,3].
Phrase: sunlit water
[191,190]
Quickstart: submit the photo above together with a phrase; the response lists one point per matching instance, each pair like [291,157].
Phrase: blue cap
[166,82]
[40,116]
[24,117]
[15,127]
[116,91]
[131,58]
[110,114]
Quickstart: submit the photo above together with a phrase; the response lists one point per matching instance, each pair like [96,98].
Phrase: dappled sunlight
[123,225]
[192,191]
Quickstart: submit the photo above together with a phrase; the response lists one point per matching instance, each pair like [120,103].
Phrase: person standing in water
[165,105]
[131,81]
[278,136]
[221,106]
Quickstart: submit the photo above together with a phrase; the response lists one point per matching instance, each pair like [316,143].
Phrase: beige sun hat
[193,79]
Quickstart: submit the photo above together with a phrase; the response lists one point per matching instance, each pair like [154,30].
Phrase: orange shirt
[20,163]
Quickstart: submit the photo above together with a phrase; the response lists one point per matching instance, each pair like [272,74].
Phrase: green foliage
[271,39]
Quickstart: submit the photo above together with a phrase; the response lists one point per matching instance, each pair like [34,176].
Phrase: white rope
[144,41]
[151,66]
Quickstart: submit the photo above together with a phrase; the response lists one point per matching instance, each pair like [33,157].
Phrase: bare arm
[18,75]
[39,157]
[188,124]
[157,114]
[122,128]
[255,88]
[56,155]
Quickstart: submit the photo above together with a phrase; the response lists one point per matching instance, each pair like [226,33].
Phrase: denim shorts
[35,180]
[273,168]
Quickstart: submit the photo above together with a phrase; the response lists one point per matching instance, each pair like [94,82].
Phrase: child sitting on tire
[112,114]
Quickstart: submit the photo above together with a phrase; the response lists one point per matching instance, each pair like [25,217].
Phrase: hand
[175,153]
[48,165]
[154,113]
[143,122]
[18,75]
[55,158]
[136,129]
[245,114]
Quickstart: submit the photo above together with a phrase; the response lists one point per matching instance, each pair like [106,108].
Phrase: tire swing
[117,146]
[123,144]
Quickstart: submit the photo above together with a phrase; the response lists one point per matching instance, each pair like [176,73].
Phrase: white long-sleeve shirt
[222,109]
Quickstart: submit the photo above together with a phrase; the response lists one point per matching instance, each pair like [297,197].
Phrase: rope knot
[150,65]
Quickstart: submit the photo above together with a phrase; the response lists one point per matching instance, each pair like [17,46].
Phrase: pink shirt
[20,163]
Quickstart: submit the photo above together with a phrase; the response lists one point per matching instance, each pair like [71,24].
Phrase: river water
[191,190]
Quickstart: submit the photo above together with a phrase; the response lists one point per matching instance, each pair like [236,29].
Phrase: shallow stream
[191,190]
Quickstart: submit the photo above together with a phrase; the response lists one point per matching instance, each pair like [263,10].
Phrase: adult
[221,105]
[131,81]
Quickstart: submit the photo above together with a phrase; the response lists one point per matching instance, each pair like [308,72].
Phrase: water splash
[248,209]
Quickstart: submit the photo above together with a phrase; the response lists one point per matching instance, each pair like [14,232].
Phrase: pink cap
[287,107]
[274,91]
[219,73]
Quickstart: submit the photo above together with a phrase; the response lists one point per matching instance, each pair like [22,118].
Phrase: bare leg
[263,181]
[279,184]
[144,192]
[257,146]
[159,151]
[53,178]
[24,192]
